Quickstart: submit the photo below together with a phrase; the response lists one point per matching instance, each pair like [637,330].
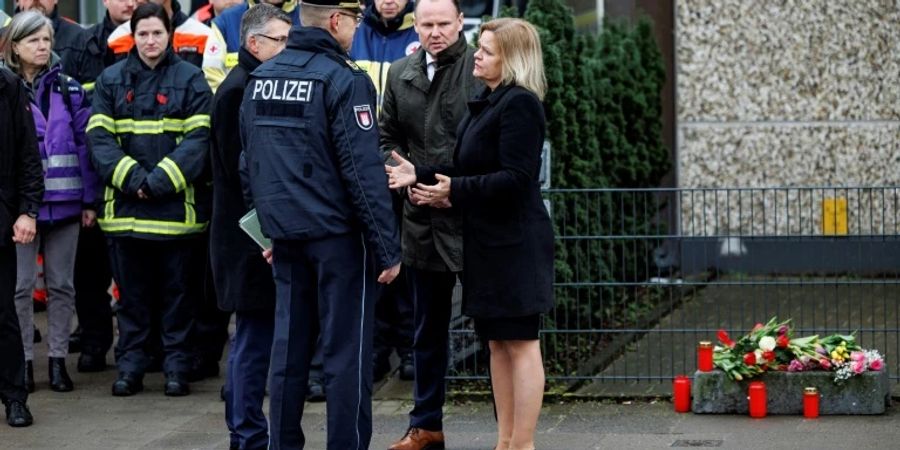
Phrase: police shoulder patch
[364,117]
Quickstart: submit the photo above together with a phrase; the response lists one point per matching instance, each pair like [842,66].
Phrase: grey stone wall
[788,93]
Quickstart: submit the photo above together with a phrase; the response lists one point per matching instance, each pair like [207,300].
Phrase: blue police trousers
[323,286]
[245,385]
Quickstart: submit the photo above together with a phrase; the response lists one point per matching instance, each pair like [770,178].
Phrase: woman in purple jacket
[60,113]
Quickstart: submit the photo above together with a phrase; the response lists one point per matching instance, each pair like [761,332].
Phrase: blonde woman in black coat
[507,237]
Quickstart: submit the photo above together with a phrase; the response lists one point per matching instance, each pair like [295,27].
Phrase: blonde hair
[519,49]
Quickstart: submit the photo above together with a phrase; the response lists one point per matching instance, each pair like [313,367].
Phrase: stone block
[715,393]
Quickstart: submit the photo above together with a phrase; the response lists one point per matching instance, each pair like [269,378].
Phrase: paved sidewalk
[90,418]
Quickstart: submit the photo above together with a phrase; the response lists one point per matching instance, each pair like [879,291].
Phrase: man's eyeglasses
[357,17]
[279,39]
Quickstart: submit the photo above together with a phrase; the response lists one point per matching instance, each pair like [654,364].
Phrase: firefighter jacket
[377,43]
[150,131]
[188,39]
[311,147]
[221,52]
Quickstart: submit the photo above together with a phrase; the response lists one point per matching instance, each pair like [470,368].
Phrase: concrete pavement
[90,418]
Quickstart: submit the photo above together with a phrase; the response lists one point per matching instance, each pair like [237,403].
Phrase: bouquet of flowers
[772,346]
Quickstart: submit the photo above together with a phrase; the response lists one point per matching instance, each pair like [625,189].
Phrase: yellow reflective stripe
[190,215]
[121,171]
[109,211]
[88,86]
[174,172]
[196,121]
[101,120]
[126,224]
[231,60]
[161,126]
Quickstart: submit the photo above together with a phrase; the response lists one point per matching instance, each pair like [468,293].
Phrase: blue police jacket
[310,143]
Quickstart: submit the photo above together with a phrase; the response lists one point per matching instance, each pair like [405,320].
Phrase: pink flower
[857,356]
[825,363]
[876,364]
[858,366]
[795,366]
[782,330]
[757,327]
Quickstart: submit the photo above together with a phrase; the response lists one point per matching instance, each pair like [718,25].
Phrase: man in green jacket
[419,121]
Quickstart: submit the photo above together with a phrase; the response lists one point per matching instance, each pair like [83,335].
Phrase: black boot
[176,385]
[59,377]
[17,414]
[127,384]
[407,367]
[29,376]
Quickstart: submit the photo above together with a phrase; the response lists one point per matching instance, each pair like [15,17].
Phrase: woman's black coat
[507,237]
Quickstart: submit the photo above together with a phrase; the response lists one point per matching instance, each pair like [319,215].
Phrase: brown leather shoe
[419,439]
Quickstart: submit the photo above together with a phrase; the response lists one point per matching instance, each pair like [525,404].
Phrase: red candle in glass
[810,403]
[705,356]
[681,393]
[757,397]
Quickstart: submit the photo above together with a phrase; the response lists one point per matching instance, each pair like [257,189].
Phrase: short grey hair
[256,18]
[23,24]
[317,16]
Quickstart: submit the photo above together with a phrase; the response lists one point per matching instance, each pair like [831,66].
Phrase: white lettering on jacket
[283,90]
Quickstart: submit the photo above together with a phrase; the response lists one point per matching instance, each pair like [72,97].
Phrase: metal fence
[643,275]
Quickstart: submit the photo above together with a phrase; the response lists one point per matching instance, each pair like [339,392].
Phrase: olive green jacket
[419,119]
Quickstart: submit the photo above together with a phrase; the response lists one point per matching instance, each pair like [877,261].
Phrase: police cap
[342,4]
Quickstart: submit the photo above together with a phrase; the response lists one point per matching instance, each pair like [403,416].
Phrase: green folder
[250,224]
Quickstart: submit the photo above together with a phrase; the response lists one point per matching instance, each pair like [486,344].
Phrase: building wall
[787,93]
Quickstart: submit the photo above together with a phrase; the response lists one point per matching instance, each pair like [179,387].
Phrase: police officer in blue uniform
[316,178]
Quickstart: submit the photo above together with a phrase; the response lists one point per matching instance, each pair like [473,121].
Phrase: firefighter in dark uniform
[314,169]
[149,133]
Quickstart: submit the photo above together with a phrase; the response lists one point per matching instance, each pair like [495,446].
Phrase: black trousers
[92,279]
[394,323]
[433,293]
[153,281]
[211,324]
[12,356]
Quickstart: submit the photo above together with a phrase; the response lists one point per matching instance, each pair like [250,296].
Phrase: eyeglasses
[279,39]
[357,17]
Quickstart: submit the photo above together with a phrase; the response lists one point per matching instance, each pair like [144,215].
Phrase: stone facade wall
[788,93]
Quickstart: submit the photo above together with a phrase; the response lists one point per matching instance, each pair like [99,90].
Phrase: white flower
[767,343]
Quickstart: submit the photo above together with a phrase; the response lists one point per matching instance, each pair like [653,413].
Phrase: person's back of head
[338,17]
